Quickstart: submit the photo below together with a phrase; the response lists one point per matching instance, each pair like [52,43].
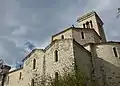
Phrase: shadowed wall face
[108,63]
[84,36]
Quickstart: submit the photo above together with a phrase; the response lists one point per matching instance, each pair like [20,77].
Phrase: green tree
[66,79]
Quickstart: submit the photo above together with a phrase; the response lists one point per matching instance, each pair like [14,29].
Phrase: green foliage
[66,79]
[70,79]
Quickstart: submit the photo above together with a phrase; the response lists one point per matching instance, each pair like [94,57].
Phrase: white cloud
[20,31]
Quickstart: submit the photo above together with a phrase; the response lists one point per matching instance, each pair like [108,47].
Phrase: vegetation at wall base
[66,79]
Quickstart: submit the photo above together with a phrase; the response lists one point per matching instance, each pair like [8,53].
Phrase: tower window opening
[34,63]
[56,55]
[82,35]
[32,82]
[83,25]
[91,24]
[115,52]
[62,36]
[87,24]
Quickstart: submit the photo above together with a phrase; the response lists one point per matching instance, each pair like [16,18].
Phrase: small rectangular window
[115,52]
[62,36]
[20,76]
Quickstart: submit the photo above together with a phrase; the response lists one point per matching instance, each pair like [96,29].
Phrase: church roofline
[46,48]
[66,39]
[82,18]
[31,53]
[109,42]
[75,28]
[61,32]
[102,43]
[15,70]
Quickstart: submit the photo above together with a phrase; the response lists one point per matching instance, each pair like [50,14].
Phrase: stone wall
[29,72]
[13,78]
[89,36]
[65,57]
[67,34]
[107,64]
[83,59]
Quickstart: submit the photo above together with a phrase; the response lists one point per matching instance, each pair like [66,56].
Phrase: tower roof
[88,15]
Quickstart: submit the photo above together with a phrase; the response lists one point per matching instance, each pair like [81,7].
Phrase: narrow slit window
[34,63]
[87,24]
[91,24]
[82,35]
[115,52]
[32,82]
[62,36]
[83,25]
[20,75]
[56,55]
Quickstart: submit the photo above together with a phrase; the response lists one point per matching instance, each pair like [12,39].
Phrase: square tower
[92,20]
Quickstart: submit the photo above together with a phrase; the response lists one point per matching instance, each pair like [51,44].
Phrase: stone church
[83,45]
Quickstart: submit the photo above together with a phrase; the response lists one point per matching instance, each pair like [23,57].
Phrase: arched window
[34,63]
[20,75]
[115,52]
[32,82]
[56,55]
[82,35]
[87,24]
[91,24]
[62,36]
[83,25]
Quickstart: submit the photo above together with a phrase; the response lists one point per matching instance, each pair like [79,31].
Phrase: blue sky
[37,20]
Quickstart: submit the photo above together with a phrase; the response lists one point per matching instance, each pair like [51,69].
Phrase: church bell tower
[92,21]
